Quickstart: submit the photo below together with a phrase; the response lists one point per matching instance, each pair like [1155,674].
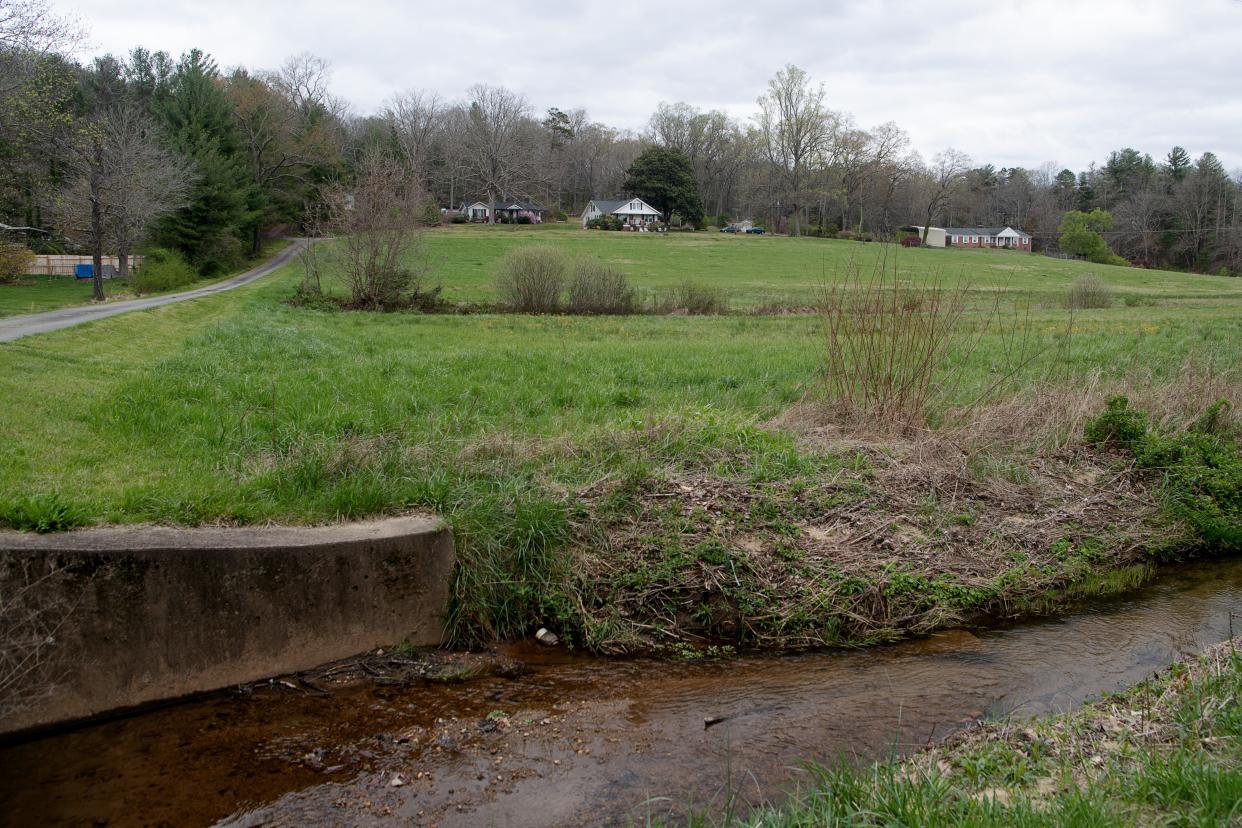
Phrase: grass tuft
[42,513]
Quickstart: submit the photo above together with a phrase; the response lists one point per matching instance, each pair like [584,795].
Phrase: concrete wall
[127,616]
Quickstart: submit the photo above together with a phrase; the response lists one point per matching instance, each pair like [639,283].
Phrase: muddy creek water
[574,741]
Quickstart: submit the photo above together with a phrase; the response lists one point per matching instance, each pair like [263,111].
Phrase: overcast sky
[1009,83]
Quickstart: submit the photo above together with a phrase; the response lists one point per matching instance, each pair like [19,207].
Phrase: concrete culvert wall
[102,619]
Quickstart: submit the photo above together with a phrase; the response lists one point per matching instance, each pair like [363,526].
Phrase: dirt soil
[917,537]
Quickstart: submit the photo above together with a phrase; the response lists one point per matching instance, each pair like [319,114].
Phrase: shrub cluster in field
[1200,467]
[1089,292]
[15,260]
[541,279]
[162,270]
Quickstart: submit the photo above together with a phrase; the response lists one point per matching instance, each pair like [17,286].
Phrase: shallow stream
[574,741]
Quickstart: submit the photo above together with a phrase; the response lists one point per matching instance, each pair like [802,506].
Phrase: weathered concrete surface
[136,615]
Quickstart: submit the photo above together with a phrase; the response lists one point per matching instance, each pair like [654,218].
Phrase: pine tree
[198,120]
[1177,163]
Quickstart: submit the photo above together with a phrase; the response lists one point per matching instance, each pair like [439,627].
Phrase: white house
[633,212]
[507,211]
[988,237]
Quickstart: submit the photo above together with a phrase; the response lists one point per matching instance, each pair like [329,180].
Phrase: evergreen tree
[664,179]
[198,120]
[1177,163]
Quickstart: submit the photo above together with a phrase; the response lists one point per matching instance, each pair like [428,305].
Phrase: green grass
[240,408]
[780,270]
[1167,752]
[191,403]
[35,294]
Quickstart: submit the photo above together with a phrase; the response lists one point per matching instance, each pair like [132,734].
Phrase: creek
[570,740]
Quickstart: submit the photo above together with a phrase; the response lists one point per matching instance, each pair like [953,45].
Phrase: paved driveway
[15,327]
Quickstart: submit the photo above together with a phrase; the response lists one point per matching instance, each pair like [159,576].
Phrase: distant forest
[147,149]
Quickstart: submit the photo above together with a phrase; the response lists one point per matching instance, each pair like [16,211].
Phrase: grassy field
[35,294]
[768,269]
[1168,752]
[547,439]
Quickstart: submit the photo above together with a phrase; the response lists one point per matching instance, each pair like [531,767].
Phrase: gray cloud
[1015,83]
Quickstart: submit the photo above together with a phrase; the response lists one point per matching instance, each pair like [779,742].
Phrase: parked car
[731,228]
[758,231]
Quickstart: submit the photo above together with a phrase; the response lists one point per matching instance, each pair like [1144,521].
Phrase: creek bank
[1165,751]
[877,548]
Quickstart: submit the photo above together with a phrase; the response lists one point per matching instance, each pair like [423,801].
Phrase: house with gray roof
[1005,237]
[634,213]
[506,211]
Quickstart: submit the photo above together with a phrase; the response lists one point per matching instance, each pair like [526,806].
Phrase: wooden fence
[65,265]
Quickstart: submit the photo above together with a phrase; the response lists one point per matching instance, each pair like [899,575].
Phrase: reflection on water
[593,740]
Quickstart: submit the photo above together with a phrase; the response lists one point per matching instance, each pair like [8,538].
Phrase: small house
[1002,237]
[512,211]
[634,213]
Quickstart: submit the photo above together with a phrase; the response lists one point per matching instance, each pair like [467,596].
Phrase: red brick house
[1004,237]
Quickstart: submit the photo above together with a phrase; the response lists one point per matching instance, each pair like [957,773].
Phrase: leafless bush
[379,254]
[314,256]
[599,288]
[695,299]
[15,260]
[891,347]
[32,609]
[886,340]
[1089,292]
[531,279]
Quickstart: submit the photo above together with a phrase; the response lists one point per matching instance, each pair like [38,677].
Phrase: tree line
[146,149]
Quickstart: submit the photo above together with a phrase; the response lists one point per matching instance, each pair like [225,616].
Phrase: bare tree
[304,80]
[144,180]
[377,219]
[414,117]
[498,141]
[33,26]
[287,128]
[796,127]
[122,180]
[941,182]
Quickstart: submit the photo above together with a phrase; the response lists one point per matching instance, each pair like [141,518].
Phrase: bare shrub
[379,256]
[1089,292]
[15,260]
[694,298]
[599,288]
[885,342]
[531,279]
[892,347]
